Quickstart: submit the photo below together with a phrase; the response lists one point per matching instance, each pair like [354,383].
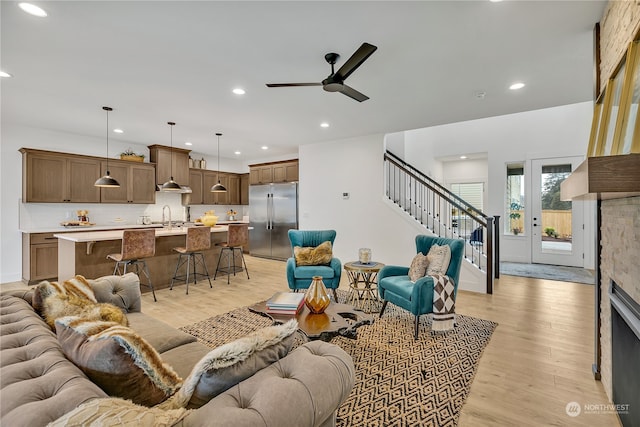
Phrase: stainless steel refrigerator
[273,211]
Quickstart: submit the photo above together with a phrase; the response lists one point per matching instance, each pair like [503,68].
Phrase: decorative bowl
[209,220]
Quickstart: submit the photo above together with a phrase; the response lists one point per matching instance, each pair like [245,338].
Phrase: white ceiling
[162,61]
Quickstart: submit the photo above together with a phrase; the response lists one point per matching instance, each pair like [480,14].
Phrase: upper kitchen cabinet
[209,179]
[195,182]
[137,183]
[244,189]
[233,190]
[50,177]
[170,161]
[267,173]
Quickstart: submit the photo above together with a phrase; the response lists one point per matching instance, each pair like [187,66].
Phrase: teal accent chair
[395,286]
[299,277]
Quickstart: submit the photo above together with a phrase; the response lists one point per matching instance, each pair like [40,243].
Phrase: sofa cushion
[439,258]
[231,363]
[183,358]
[38,383]
[319,255]
[74,297]
[418,267]
[307,272]
[161,336]
[117,359]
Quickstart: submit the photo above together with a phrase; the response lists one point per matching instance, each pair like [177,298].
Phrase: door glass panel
[613,112]
[556,214]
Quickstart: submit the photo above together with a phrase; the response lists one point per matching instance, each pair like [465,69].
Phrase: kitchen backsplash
[42,215]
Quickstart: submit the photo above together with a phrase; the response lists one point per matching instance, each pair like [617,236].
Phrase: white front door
[557,227]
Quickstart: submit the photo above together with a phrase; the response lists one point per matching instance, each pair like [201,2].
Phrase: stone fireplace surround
[620,263]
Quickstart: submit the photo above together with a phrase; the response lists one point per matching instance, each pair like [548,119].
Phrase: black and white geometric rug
[399,381]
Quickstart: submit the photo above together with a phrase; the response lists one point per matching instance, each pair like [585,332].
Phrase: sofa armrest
[25,294]
[392,270]
[121,291]
[311,382]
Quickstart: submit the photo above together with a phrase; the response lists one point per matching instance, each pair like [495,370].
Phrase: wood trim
[607,176]
[114,160]
[272,163]
[625,98]
[595,123]
[166,147]
[604,118]
[597,60]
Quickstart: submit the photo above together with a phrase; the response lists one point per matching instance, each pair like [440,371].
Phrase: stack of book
[287,303]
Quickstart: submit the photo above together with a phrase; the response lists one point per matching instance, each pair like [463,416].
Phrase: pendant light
[171,185]
[107,181]
[218,188]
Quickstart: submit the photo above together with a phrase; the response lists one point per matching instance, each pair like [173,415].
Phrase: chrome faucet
[166,206]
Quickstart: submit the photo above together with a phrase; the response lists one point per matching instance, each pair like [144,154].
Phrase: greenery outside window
[514,200]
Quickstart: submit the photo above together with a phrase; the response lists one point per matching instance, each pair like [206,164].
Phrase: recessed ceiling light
[264,147]
[32,9]
[117,130]
[463,157]
[5,74]
[239,91]
[237,153]
[516,86]
[495,1]
[188,143]
[324,125]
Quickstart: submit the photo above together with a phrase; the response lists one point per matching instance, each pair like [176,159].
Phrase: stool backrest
[198,239]
[138,244]
[237,235]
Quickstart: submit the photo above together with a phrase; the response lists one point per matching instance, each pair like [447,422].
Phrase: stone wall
[620,250]
[619,25]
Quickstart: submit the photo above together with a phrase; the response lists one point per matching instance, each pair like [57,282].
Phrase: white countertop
[61,229]
[96,236]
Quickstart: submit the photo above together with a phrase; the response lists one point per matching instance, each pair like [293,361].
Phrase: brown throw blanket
[444,303]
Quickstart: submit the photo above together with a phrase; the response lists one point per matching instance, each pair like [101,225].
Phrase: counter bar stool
[136,245]
[198,240]
[237,236]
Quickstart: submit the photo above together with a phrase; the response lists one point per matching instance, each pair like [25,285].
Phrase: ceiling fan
[335,81]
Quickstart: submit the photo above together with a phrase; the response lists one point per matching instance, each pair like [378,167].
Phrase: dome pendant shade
[106,181]
[171,185]
[218,188]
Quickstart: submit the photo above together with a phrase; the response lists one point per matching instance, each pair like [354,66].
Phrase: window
[471,192]
[514,200]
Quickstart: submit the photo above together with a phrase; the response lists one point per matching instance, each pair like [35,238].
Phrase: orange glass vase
[317,298]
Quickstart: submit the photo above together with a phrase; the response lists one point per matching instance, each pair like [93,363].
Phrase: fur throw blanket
[74,297]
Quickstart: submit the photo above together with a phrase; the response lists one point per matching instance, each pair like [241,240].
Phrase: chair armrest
[291,267]
[121,291]
[392,270]
[422,288]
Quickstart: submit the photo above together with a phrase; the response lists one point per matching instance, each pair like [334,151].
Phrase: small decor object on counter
[131,156]
[316,298]
[232,214]
[203,163]
[83,215]
[71,224]
[209,218]
[364,255]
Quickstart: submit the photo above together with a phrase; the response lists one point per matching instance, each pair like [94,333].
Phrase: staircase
[444,214]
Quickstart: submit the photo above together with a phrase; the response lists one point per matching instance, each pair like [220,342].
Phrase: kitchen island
[86,253]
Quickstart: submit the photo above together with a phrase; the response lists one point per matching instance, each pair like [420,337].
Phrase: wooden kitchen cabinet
[233,190]
[137,183]
[244,189]
[273,172]
[170,161]
[39,257]
[50,177]
[209,179]
[195,182]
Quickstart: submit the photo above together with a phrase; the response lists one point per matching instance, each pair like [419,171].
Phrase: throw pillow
[114,412]
[117,359]
[320,255]
[74,297]
[231,363]
[418,267]
[439,258]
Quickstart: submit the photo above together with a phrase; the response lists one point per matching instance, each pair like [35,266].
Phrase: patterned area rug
[399,381]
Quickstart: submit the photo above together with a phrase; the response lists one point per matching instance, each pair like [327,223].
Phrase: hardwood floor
[538,360]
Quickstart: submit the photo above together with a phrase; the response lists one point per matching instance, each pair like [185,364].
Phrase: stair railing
[445,214]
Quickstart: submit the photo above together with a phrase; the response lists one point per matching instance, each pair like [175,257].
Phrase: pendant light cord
[218,172]
[171,124]
[107,109]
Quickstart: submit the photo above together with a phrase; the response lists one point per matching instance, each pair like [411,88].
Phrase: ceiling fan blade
[356,60]
[292,84]
[352,93]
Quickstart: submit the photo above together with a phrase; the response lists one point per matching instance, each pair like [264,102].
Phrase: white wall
[15,215]
[553,132]
[353,166]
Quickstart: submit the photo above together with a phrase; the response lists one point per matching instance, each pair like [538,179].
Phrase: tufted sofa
[39,384]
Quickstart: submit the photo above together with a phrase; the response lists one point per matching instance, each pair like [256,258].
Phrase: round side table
[363,285]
